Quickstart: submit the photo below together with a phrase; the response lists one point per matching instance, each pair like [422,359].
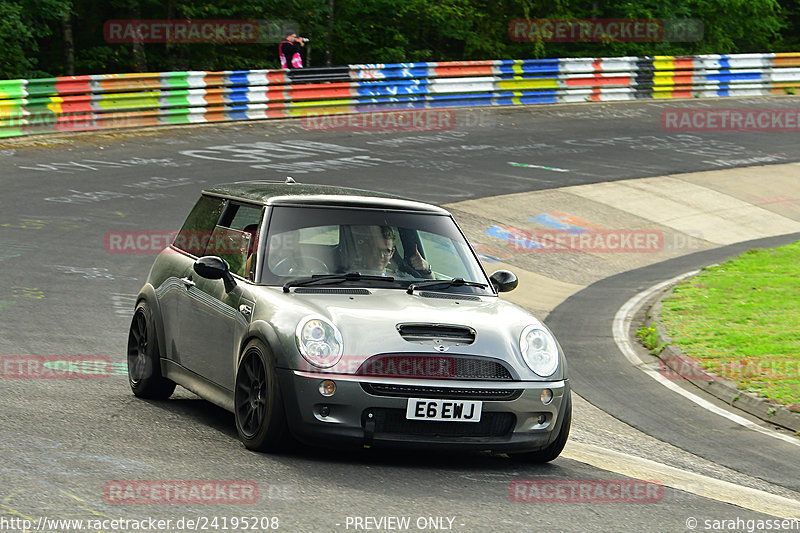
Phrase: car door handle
[188,282]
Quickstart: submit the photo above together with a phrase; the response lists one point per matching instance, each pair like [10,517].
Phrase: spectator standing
[289,51]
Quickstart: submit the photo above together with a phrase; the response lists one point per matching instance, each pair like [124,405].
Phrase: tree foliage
[36,41]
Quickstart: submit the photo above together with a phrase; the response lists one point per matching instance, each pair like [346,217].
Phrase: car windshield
[306,242]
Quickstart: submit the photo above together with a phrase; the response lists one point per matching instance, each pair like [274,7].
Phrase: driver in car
[376,246]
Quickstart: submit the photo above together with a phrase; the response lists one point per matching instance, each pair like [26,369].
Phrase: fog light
[547,396]
[327,387]
[542,419]
[325,411]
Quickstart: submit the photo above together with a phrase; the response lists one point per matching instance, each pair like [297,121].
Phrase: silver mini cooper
[344,316]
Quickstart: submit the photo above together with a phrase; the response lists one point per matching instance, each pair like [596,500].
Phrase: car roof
[302,194]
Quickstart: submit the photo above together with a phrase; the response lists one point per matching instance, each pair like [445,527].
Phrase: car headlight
[539,349]
[319,342]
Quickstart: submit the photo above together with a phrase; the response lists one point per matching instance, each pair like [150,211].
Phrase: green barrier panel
[12,89]
[42,87]
[176,80]
[175,99]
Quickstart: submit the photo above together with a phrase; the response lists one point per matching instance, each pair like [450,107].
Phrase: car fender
[562,361]
[148,294]
[264,331]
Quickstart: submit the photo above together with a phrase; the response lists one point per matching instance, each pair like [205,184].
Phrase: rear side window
[234,237]
[196,231]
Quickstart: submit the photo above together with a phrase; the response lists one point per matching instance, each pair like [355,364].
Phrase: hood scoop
[437,334]
[449,296]
[330,290]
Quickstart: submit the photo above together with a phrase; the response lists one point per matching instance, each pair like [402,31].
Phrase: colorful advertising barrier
[104,101]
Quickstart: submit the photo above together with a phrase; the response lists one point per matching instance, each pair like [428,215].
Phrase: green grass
[649,337]
[741,320]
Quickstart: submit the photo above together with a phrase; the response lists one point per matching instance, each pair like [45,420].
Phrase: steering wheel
[301,265]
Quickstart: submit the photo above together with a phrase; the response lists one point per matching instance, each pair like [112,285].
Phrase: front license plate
[443,410]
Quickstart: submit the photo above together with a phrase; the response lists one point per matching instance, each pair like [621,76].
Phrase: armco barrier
[80,103]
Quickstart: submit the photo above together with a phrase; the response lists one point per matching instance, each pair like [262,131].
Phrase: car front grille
[394,422]
[473,368]
[413,391]
[429,366]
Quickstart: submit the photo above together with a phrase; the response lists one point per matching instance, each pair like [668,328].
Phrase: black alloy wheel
[258,406]
[144,359]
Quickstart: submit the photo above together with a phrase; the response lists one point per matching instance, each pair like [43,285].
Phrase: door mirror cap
[213,267]
[504,281]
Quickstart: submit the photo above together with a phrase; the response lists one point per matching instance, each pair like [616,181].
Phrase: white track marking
[669,476]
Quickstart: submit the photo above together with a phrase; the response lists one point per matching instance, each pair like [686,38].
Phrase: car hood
[369,324]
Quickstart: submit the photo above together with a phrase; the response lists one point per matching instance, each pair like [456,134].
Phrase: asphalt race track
[68,444]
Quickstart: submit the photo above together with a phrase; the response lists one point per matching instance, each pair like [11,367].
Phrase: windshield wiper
[445,283]
[333,278]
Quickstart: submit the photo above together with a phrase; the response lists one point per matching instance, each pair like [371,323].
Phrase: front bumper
[370,411]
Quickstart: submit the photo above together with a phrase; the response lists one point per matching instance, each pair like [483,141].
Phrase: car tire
[258,405]
[144,357]
[554,449]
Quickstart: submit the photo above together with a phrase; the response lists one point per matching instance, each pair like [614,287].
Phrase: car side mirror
[504,281]
[213,267]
